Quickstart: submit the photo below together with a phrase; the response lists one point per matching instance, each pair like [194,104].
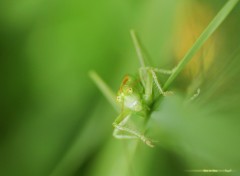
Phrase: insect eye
[130,90]
[119,98]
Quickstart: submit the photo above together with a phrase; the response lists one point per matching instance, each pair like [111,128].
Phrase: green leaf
[215,23]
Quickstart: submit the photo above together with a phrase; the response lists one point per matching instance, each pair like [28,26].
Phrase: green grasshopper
[135,96]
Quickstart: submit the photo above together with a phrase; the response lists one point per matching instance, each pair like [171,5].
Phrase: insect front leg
[131,134]
[117,131]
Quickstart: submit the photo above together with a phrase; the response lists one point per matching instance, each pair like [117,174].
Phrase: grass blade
[215,23]
[107,92]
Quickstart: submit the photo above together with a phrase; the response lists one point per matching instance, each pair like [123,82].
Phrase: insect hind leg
[162,71]
[155,79]
[117,130]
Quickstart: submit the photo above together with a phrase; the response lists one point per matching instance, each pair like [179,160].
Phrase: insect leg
[119,127]
[116,132]
[195,95]
[138,48]
[159,87]
[157,82]
[163,71]
[147,81]
[152,77]
[159,70]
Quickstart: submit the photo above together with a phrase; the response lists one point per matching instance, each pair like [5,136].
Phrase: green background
[55,121]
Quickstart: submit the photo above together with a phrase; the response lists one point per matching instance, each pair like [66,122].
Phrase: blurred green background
[55,121]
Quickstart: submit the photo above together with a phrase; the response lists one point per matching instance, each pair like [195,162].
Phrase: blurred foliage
[54,121]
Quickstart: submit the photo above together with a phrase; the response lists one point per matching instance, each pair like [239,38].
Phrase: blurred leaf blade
[204,138]
[214,24]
